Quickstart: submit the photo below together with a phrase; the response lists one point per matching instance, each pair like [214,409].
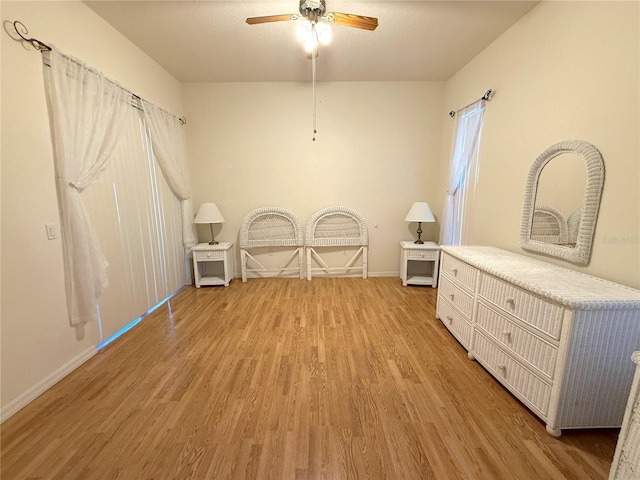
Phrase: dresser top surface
[564,286]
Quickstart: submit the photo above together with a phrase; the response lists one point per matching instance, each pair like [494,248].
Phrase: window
[463,175]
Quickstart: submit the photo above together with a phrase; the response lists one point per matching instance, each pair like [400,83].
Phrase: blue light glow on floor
[128,327]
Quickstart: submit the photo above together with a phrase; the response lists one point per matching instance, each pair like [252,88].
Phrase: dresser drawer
[209,255]
[460,271]
[456,296]
[535,392]
[535,351]
[455,322]
[417,254]
[538,313]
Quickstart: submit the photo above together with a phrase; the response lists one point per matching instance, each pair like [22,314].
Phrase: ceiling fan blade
[355,21]
[272,18]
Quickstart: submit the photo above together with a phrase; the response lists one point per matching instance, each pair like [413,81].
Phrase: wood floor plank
[336,378]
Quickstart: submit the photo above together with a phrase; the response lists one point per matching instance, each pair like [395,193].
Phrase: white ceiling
[209,41]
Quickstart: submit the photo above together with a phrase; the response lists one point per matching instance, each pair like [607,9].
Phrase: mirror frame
[581,253]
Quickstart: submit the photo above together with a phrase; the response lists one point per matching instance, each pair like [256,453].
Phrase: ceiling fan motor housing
[316,6]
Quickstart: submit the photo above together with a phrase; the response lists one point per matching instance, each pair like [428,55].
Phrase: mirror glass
[559,197]
[562,200]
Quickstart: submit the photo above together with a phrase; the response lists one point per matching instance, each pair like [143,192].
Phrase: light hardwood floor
[290,379]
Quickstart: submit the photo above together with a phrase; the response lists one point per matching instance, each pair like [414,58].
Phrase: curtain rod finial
[22,31]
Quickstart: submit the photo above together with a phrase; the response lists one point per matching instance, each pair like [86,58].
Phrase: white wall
[38,345]
[567,70]
[376,151]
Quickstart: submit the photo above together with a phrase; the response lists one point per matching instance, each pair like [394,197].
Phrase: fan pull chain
[314,53]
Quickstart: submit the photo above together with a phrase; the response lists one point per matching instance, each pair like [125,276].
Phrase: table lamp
[209,213]
[419,212]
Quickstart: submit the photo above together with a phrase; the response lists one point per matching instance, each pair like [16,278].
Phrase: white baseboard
[356,275]
[39,388]
[384,274]
[268,275]
[318,274]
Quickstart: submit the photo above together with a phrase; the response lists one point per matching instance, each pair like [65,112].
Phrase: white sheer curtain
[138,220]
[86,112]
[168,147]
[468,128]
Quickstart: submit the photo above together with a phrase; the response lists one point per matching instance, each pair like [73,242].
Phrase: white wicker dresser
[559,340]
[626,461]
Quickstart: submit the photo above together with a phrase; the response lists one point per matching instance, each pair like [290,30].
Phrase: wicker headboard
[336,227]
[549,225]
[573,225]
[271,227]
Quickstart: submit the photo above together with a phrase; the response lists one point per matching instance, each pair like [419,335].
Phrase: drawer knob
[507,334]
[455,271]
[452,296]
[511,302]
[449,318]
[503,368]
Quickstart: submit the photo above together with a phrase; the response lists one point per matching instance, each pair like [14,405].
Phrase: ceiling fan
[315,30]
[315,11]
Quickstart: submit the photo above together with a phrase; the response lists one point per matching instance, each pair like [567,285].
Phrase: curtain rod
[43,47]
[488,95]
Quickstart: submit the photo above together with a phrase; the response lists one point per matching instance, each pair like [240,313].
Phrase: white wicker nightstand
[213,264]
[419,263]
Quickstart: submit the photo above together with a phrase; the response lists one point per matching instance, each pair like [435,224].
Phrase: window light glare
[129,326]
[120,332]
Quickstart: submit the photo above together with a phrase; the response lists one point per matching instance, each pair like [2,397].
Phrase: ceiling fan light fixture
[313,34]
[323,31]
[304,30]
[310,44]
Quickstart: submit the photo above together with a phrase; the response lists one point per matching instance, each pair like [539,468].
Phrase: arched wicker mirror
[545,229]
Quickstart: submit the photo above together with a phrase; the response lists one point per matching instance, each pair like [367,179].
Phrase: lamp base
[419,232]
[213,239]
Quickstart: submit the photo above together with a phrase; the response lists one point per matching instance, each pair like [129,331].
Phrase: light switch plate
[52,231]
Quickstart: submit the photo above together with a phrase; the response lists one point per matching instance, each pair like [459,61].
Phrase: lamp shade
[420,212]
[208,213]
